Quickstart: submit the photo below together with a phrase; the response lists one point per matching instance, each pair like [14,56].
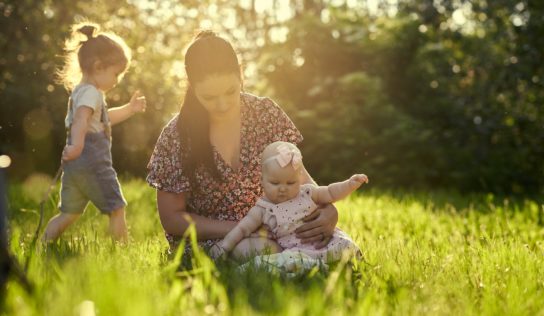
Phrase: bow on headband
[288,155]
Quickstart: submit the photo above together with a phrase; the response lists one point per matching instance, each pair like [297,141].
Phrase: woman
[206,163]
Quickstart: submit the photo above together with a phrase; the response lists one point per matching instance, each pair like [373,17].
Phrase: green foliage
[416,99]
[34,106]
[434,253]
[476,91]
[415,93]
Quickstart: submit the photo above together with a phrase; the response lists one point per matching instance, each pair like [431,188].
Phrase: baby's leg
[58,224]
[254,246]
[118,225]
[341,245]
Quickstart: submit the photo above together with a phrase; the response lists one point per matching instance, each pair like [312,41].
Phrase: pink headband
[287,155]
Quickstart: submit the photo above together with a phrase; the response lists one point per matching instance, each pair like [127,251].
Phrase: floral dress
[263,122]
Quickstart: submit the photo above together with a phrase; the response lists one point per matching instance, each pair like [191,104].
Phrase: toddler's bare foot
[118,226]
[57,225]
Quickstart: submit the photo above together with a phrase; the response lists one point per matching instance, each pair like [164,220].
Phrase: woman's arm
[137,104]
[175,219]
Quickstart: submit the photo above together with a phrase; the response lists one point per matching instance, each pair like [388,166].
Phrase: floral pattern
[263,122]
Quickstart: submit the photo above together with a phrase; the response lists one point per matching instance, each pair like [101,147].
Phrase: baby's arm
[78,130]
[339,190]
[137,104]
[248,224]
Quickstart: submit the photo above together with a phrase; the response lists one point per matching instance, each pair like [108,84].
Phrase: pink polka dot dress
[289,215]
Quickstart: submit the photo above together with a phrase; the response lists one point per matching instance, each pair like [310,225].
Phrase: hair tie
[89,31]
[287,155]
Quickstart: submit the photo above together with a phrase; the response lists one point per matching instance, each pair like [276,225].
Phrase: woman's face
[219,94]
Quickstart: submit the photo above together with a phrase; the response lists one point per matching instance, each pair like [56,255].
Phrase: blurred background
[416,94]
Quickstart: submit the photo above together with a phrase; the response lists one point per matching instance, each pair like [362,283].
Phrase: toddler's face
[280,184]
[106,78]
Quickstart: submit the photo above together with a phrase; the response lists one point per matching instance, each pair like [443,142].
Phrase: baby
[286,202]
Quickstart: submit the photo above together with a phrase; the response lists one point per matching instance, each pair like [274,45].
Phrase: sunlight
[459,17]
[280,11]
[463,18]
[206,24]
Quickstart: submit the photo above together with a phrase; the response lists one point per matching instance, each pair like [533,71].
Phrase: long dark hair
[208,54]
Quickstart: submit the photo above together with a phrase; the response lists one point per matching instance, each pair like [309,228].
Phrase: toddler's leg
[254,246]
[57,225]
[118,225]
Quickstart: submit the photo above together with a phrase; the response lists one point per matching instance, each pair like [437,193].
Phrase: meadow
[437,253]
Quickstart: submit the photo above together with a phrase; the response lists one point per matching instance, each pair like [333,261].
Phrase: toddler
[95,62]
[286,202]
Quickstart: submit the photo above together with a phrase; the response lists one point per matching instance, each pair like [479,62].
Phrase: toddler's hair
[86,46]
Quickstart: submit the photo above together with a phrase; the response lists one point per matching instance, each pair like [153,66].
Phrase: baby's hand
[137,102]
[71,152]
[358,179]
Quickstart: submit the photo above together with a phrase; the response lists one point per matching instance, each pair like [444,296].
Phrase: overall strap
[104,119]
[70,112]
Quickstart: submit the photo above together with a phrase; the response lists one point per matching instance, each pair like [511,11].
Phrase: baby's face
[280,184]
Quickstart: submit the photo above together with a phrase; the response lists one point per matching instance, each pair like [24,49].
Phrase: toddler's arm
[339,190]
[78,130]
[253,220]
[137,104]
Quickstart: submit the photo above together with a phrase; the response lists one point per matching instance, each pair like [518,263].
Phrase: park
[439,103]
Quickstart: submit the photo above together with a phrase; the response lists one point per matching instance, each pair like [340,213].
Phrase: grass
[433,253]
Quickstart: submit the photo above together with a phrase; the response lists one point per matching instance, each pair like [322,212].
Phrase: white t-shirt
[85,94]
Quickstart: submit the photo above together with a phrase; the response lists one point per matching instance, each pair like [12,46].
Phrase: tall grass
[424,253]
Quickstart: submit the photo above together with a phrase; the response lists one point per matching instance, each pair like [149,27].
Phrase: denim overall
[91,176]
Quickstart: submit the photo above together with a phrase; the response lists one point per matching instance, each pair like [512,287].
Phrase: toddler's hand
[71,152]
[358,179]
[137,102]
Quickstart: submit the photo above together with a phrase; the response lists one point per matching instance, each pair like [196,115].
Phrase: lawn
[438,253]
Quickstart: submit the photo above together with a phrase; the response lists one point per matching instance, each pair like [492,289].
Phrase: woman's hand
[319,226]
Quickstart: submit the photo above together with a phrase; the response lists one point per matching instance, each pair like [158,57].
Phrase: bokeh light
[35,185]
[5,161]
[135,137]
[37,124]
